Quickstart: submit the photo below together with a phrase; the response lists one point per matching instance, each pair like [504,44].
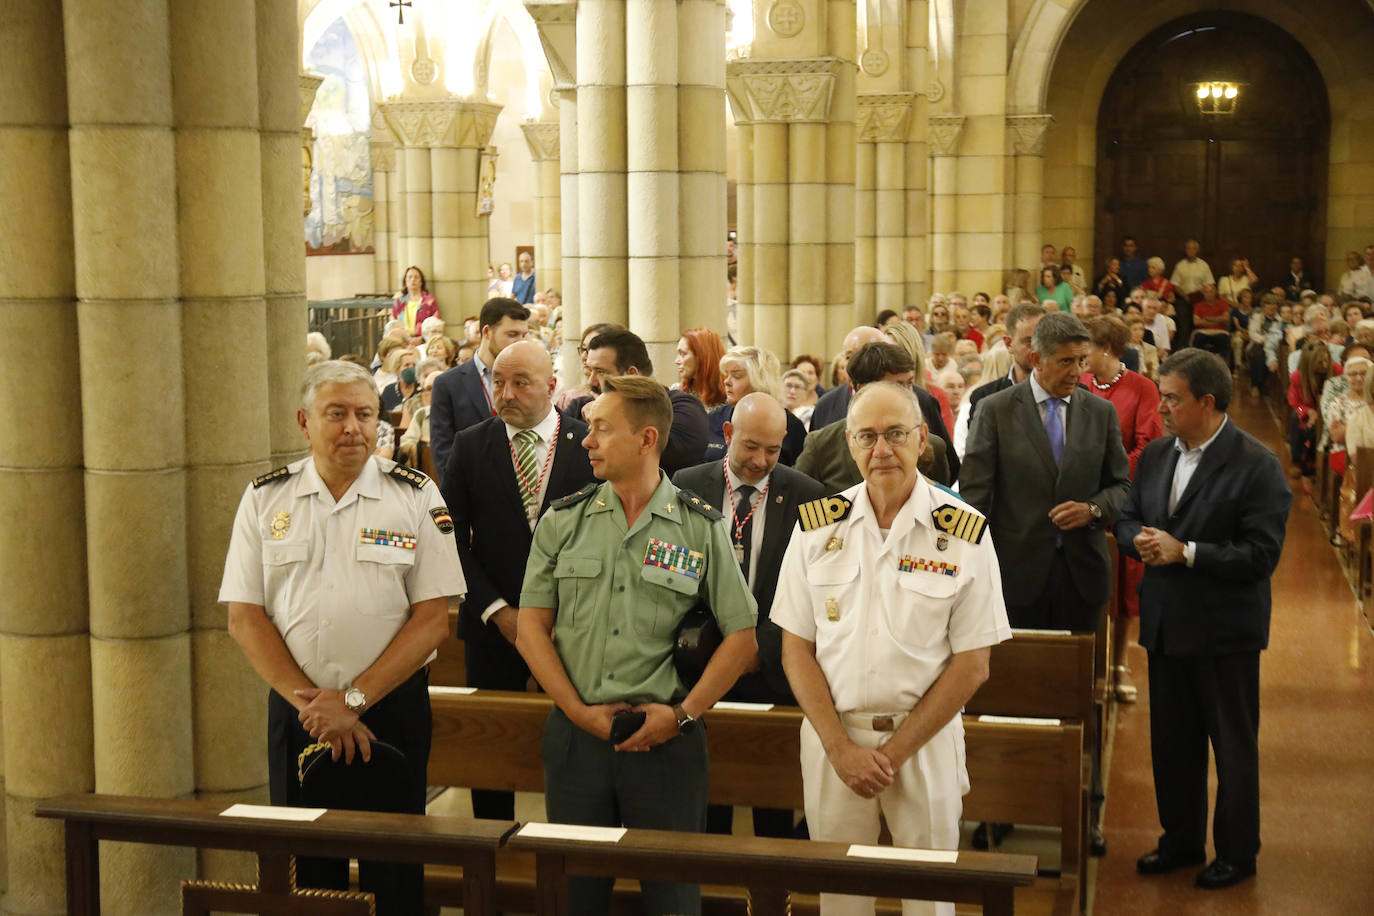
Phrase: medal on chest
[674,558]
[832,610]
[739,552]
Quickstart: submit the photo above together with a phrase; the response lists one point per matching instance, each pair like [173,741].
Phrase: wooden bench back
[1039,673]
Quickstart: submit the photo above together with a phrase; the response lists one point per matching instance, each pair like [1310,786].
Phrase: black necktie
[744,534]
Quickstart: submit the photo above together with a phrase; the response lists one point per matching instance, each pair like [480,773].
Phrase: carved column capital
[883,117]
[1029,133]
[383,156]
[944,133]
[782,90]
[542,139]
[445,123]
[556,23]
[310,84]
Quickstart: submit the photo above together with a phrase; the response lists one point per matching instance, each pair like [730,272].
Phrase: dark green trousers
[587,782]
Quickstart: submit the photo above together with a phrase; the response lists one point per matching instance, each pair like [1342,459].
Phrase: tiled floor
[1316,751]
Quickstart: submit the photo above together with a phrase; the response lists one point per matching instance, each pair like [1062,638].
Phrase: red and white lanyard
[548,462]
[738,536]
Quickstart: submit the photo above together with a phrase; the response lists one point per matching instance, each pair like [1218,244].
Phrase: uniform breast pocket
[920,615]
[671,595]
[282,565]
[577,580]
[384,570]
[834,593]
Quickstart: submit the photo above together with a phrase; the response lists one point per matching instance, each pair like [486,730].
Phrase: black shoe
[1097,842]
[1159,862]
[1223,874]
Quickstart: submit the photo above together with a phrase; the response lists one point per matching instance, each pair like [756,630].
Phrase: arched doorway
[1251,181]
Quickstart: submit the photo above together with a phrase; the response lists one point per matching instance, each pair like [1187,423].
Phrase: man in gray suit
[1046,465]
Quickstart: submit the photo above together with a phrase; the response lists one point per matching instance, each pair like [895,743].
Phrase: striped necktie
[529,468]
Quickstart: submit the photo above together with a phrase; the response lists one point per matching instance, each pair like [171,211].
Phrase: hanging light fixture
[1217,97]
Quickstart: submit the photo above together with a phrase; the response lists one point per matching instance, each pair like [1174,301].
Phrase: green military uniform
[619,593]
[826,458]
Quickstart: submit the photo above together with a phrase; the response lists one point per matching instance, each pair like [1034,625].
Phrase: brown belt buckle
[882,724]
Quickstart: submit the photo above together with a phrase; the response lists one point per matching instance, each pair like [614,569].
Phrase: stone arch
[1043,77]
[377,44]
[537,76]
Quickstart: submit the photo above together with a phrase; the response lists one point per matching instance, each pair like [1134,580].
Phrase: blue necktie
[1054,428]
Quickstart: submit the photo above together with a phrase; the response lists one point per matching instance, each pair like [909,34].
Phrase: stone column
[442,141]
[865,224]
[542,139]
[917,37]
[603,245]
[127,166]
[984,204]
[746,256]
[796,244]
[944,140]
[883,125]
[386,273]
[45,671]
[1028,134]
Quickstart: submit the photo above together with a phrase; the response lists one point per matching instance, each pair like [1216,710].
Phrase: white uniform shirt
[1191,276]
[899,623]
[337,597]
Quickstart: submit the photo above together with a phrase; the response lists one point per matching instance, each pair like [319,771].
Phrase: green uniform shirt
[619,595]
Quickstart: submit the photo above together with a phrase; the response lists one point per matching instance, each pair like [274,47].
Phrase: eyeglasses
[895,437]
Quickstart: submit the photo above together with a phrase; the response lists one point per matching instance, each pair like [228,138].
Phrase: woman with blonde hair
[745,370]
[996,364]
[909,339]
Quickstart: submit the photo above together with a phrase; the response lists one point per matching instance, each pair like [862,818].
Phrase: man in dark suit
[462,395]
[1020,329]
[621,352]
[502,474]
[1207,517]
[1046,465]
[759,498]
[1297,280]
[834,404]
[826,457]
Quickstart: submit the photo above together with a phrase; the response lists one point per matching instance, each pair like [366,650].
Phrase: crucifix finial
[400,7]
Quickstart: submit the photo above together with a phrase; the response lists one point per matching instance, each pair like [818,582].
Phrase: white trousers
[922,806]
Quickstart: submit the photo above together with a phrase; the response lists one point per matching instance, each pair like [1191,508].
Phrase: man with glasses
[889,599]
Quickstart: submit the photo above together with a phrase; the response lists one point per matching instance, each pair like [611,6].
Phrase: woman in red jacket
[1304,395]
[414,303]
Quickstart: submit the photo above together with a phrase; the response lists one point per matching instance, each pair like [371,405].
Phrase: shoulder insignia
[573,499]
[280,473]
[819,513]
[698,505]
[963,523]
[415,478]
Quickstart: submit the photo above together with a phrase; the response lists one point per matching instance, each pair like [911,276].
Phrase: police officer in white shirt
[890,599]
[338,580]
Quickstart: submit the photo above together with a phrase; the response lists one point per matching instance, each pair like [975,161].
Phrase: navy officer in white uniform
[338,580]
[890,600]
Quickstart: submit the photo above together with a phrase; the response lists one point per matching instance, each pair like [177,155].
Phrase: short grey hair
[334,372]
[885,386]
[1055,330]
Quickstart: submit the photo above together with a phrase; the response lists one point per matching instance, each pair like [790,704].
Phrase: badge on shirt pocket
[682,560]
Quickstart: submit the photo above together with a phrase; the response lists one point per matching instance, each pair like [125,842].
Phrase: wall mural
[340,219]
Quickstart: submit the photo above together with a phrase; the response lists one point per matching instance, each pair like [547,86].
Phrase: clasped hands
[1157,548]
[866,770]
[660,724]
[326,718]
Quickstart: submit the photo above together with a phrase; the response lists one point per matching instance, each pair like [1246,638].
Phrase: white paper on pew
[573,832]
[272,813]
[731,704]
[943,856]
[1024,631]
[452,691]
[1017,720]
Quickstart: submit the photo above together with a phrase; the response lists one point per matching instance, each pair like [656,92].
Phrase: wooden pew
[772,868]
[468,844]
[491,740]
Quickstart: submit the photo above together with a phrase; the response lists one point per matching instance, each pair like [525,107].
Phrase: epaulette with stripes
[824,511]
[416,479]
[280,473]
[963,523]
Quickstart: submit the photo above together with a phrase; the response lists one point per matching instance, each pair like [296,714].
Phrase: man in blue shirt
[522,287]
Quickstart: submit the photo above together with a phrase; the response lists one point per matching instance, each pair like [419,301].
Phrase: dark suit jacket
[787,489]
[686,439]
[827,459]
[836,407]
[489,523]
[792,443]
[1294,285]
[1010,476]
[459,401]
[1236,510]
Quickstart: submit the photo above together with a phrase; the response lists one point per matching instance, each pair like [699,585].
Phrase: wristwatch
[685,722]
[1096,512]
[355,700]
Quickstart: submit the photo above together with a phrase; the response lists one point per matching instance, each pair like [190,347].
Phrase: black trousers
[587,782]
[402,719]
[1220,344]
[494,664]
[1259,369]
[1195,701]
[1302,445]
